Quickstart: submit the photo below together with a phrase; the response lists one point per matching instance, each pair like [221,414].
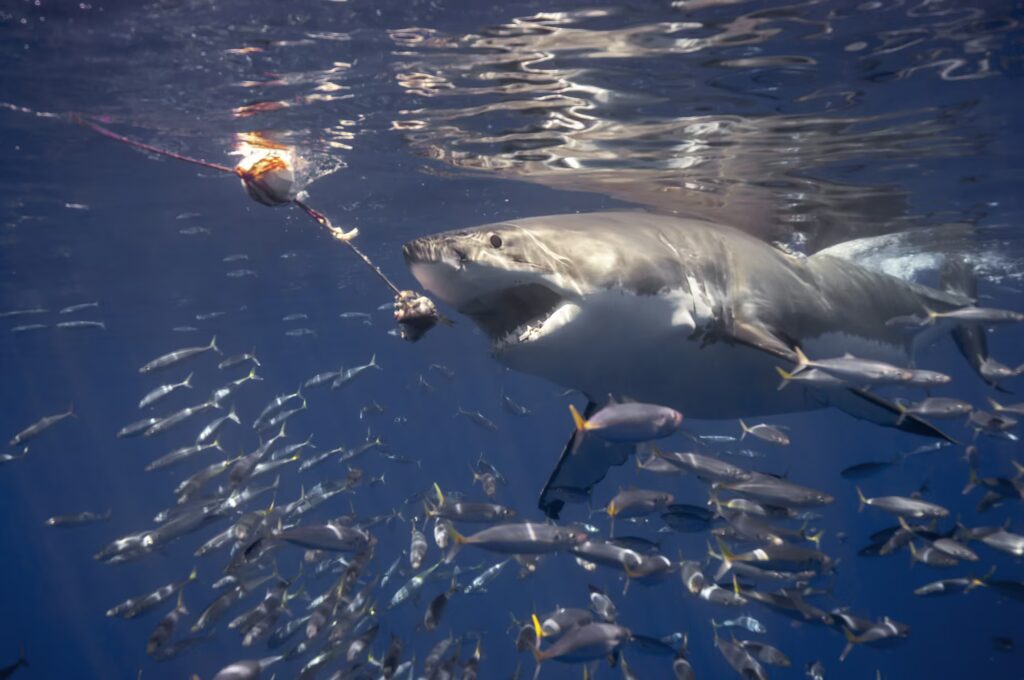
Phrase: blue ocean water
[808,124]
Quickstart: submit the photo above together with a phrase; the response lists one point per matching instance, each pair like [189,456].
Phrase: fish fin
[851,640]
[187,382]
[584,462]
[440,496]
[193,575]
[816,539]
[786,377]
[736,585]
[996,406]
[863,501]
[457,541]
[864,405]
[577,419]
[903,412]
[213,346]
[727,557]
[972,481]
[744,430]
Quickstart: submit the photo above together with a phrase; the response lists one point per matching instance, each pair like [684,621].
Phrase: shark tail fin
[861,499]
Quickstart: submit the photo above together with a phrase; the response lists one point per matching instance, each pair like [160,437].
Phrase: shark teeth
[538,328]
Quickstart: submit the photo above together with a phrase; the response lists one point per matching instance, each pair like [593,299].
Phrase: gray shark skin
[680,312]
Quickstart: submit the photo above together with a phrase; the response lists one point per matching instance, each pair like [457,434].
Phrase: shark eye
[495,240]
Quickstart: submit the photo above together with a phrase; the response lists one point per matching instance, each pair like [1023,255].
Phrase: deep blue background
[160,73]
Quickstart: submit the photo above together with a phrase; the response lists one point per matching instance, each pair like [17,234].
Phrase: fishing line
[268,180]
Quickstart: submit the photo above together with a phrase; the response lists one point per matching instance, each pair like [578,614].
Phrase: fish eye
[495,240]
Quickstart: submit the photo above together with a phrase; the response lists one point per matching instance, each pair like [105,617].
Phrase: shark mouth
[520,314]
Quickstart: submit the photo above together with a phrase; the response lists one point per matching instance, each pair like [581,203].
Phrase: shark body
[680,312]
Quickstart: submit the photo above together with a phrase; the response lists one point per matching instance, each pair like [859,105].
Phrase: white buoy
[268,177]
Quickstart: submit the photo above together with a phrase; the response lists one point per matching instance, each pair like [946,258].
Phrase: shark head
[518,285]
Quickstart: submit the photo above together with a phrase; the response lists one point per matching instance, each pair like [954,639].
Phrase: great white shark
[679,312]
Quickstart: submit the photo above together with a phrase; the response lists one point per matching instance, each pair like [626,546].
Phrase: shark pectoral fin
[867,406]
[584,462]
[757,335]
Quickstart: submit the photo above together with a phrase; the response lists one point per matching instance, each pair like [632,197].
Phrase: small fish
[948,586]
[637,503]
[765,432]
[179,355]
[765,653]
[298,316]
[514,408]
[371,409]
[181,454]
[903,506]
[934,407]
[320,379]
[412,586]
[166,627]
[137,606]
[193,231]
[432,617]
[300,332]
[40,426]
[417,548]
[522,538]
[29,327]
[236,359]
[78,519]
[479,584]
[23,312]
[164,390]
[985,316]
[247,669]
[443,370]
[815,670]
[1016,409]
[206,316]
[185,329]
[351,374]
[740,659]
[82,324]
[177,418]
[854,369]
[632,422]
[869,468]
[881,633]
[922,378]
[8,457]
[211,430]
[222,393]
[583,643]
[71,309]
[240,273]
[237,257]
[477,418]
[366,318]
[138,427]
[814,377]
[748,622]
